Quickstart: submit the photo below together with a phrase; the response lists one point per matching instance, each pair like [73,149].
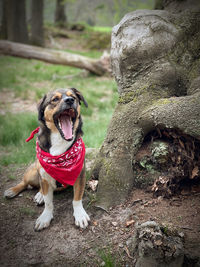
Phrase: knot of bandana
[33,134]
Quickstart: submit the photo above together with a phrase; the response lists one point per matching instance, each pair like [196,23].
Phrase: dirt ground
[63,244]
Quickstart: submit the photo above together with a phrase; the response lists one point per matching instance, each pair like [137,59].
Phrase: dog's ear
[41,109]
[80,96]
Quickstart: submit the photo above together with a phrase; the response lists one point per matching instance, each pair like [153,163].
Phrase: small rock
[181,234]
[114,224]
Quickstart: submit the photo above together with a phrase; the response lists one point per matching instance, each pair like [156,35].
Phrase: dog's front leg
[80,215]
[47,215]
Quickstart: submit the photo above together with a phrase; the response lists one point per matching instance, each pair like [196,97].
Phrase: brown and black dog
[60,127]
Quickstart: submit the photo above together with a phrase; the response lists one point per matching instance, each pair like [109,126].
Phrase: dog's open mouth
[64,123]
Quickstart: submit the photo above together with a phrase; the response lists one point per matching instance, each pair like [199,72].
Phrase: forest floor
[106,242]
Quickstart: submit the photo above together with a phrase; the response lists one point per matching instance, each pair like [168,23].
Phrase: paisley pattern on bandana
[64,168]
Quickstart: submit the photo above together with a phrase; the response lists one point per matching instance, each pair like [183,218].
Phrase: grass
[31,79]
[100,29]
[108,259]
[27,211]
[92,54]
[14,129]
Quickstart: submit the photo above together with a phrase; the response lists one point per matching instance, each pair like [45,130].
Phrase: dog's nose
[69,100]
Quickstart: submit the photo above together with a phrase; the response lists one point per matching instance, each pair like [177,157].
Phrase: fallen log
[96,66]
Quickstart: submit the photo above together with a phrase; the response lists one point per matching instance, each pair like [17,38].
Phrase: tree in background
[14,27]
[37,33]
[60,16]
[3,31]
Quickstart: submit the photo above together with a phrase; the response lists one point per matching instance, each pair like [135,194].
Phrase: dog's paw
[43,221]
[9,193]
[81,217]
[39,199]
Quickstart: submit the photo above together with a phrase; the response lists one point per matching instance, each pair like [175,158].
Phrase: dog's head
[60,111]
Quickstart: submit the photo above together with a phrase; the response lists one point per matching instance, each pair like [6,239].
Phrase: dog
[59,137]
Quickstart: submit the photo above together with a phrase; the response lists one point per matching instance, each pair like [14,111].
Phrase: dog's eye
[56,99]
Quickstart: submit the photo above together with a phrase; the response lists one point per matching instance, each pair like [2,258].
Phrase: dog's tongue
[66,126]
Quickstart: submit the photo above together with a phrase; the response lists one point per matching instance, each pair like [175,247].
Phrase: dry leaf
[93,184]
[158,242]
[95,223]
[129,223]
[181,144]
[195,172]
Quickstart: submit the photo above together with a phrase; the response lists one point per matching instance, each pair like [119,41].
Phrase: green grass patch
[14,129]
[27,211]
[100,29]
[108,259]
[91,54]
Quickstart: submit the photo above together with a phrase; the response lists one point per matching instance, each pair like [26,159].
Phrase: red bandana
[64,168]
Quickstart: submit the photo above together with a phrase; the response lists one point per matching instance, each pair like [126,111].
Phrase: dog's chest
[58,144]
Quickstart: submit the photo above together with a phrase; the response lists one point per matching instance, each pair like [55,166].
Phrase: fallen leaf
[181,144]
[95,223]
[127,252]
[93,184]
[158,242]
[129,223]
[195,172]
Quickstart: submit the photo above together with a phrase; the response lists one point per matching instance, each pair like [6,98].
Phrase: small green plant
[165,229]
[107,258]
[92,198]
[12,177]
[27,211]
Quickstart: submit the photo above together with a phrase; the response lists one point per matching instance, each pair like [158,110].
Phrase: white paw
[39,199]
[44,220]
[9,193]
[80,215]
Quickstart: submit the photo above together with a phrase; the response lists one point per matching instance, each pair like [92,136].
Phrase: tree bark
[16,21]
[53,56]
[155,59]
[37,34]
[60,16]
[3,33]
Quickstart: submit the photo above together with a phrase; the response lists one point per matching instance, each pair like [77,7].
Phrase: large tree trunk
[98,67]
[155,59]
[37,34]
[16,21]
[60,16]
